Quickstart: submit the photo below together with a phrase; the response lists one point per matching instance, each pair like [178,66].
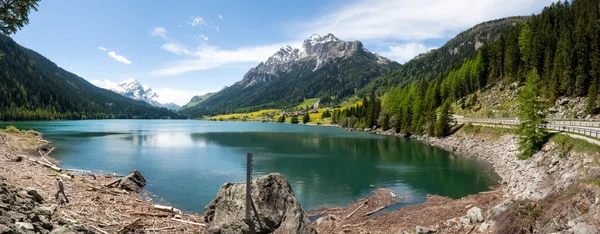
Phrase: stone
[494,211]
[484,227]
[62,230]
[274,200]
[5,229]
[134,182]
[475,215]
[583,228]
[15,216]
[24,225]
[46,210]
[571,223]
[424,230]
[465,220]
[35,194]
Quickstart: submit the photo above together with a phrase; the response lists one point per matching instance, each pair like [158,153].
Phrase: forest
[561,44]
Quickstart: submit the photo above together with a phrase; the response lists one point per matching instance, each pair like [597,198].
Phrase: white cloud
[119,58]
[175,48]
[208,57]
[180,97]
[196,21]
[404,52]
[102,48]
[413,20]
[203,37]
[159,31]
[220,17]
[218,28]
[103,83]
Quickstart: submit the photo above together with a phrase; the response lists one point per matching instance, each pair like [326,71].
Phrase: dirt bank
[92,207]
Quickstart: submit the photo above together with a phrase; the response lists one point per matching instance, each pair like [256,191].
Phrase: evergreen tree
[306,118]
[294,119]
[444,118]
[326,114]
[281,119]
[592,98]
[531,113]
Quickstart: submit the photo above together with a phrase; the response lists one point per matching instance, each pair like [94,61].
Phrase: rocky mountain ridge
[133,89]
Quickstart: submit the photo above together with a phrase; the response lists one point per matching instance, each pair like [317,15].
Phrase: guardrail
[564,126]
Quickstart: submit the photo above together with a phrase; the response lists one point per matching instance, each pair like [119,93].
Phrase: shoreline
[93,205]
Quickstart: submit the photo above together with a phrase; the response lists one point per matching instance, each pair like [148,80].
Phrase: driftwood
[374,211]
[158,229]
[113,183]
[51,166]
[352,213]
[92,188]
[160,215]
[188,222]
[99,230]
[167,209]
[353,225]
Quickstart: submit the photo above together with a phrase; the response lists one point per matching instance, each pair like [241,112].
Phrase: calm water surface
[185,161]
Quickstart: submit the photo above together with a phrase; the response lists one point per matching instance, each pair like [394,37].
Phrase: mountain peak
[317,39]
[132,88]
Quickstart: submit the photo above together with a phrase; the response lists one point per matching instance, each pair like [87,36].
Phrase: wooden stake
[352,213]
[374,211]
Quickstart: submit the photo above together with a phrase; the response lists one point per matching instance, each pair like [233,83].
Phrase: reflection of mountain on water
[333,163]
[163,139]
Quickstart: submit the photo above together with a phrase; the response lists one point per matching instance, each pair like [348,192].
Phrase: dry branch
[167,209]
[374,211]
[352,213]
[160,215]
[188,222]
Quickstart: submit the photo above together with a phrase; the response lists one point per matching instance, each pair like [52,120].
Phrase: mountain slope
[325,67]
[441,61]
[196,100]
[132,88]
[34,88]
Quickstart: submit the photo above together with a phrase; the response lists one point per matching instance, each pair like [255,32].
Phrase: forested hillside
[34,88]
[441,61]
[561,45]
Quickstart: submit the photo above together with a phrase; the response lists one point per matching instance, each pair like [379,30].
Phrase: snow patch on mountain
[132,88]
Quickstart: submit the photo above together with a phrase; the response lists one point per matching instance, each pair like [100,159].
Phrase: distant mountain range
[34,88]
[197,100]
[131,88]
[324,67]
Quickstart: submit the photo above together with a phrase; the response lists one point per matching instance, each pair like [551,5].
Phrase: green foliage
[563,146]
[15,14]
[34,88]
[281,119]
[442,125]
[326,114]
[531,113]
[12,129]
[306,118]
[294,119]
[578,145]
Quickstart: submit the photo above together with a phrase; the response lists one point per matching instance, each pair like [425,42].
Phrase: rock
[132,182]
[62,230]
[582,228]
[424,230]
[499,208]
[46,210]
[571,223]
[15,216]
[275,202]
[5,229]
[36,196]
[465,220]
[24,225]
[475,215]
[484,227]
[319,220]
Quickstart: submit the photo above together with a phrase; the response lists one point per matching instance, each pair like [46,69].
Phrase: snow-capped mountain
[318,49]
[131,88]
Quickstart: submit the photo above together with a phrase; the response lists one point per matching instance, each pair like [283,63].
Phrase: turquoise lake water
[186,161]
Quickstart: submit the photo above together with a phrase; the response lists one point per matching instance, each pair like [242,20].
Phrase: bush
[294,119]
[281,119]
[563,146]
[520,217]
[12,129]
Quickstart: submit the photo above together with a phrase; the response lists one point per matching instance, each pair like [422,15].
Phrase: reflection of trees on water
[352,164]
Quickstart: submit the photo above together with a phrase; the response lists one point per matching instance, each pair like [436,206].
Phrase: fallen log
[374,211]
[188,222]
[92,188]
[352,213]
[167,209]
[160,215]
[113,183]
[53,167]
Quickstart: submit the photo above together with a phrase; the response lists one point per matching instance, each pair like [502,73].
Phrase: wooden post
[248,186]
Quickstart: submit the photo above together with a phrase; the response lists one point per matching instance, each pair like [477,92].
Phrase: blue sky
[183,48]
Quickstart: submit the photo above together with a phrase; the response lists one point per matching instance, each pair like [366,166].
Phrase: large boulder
[132,182]
[275,202]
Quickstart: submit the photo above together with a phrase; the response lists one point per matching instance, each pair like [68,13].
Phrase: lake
[185,162]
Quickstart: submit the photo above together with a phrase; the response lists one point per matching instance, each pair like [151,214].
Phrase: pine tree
[294,119]
[305,118]
[592,98]
[531,113]
[442,125]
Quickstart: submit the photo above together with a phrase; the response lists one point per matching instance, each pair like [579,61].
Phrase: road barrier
[563,126]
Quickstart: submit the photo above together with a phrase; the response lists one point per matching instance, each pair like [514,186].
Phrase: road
[588,128]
